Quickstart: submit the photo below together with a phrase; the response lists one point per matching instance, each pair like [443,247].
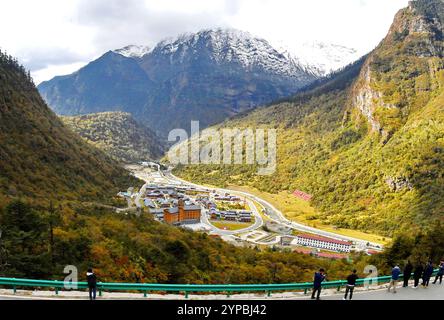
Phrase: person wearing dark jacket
[417,273]
[440,273]
[428,272]
[407,273]
[319,277]
[92,284]
[351,282]
[396,272]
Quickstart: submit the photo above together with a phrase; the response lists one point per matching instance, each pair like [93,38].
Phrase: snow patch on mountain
[133,51]
[319,57]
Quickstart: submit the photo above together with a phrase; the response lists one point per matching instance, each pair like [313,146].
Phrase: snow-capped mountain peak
[133,51]
[233,46]
[320,57]
[227,45]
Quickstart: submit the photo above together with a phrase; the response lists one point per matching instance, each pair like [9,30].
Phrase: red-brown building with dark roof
[182,214]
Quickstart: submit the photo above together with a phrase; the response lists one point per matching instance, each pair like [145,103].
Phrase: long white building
[319,242]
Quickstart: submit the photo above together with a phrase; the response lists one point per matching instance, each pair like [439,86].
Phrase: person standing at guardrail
[428,272]
[350,287]
[407,273]
[396,272]
[440,273]
[319,277]
[92,284]
[417,273]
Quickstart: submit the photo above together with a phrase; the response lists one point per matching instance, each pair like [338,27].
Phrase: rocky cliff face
[366,98]
[403,71]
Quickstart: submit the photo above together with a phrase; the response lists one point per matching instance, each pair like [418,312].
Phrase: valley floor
[265,207]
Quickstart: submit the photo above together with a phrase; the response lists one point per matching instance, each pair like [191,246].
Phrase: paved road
[433,292]
[17,297]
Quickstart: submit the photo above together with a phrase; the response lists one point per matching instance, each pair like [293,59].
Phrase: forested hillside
[368,143]
[41,159]
[118,134]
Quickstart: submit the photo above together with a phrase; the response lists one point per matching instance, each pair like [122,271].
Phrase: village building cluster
[216,211]
[173,204]
[226,207]
[181,205]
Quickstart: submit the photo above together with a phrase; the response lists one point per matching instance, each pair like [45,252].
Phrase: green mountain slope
[40,159]
[118,134]
[367,144]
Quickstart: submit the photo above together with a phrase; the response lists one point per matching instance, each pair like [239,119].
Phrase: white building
[319,242]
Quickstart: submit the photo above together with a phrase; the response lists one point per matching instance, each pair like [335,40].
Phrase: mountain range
[368,141]
[207,76]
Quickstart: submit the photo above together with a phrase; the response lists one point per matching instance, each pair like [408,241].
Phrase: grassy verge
[232,226]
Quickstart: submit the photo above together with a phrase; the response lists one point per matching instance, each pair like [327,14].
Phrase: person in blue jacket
[428,272]
[319,277]
[396,272]
[440,273]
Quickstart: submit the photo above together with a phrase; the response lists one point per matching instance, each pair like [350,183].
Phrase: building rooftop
[336,256]
[324,239]
[192,207]
[156,211]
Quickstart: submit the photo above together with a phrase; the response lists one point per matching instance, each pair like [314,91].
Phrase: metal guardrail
[146,288]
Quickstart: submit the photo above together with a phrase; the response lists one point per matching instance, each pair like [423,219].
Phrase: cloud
[232,7]
[38,58]
[119,23]
[54,35]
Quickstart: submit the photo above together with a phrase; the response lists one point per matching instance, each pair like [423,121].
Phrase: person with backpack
[351,282]
[417,273]
[440,273]
[407,273]
[396,272]
[428,272]
[319,277]
[92,284]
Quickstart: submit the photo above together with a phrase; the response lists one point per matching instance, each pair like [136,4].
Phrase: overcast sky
[54,37]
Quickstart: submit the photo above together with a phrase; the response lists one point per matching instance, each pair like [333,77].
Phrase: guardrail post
[339,288]
[144,294]
[186,294]
[268,293]
[305,291]
[14,288]
[57,291]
